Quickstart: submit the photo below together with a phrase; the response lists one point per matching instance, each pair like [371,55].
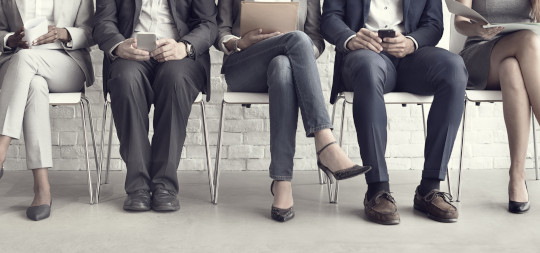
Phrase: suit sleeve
[333,26]
[312,26]
[225,21]
[4,30]
[430,28]
[81,32]
[106,33]
[204,28]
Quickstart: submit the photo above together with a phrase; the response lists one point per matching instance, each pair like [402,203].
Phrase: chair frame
[348,98]
[478,102]
[199,100]
[79,98]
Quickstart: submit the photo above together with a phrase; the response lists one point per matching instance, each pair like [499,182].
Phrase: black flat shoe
[279,214]
[344,173]
[519,207]
[37,213]
[164,201]
[138,201]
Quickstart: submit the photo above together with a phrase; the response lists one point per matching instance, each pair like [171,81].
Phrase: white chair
[402,98]
[199,100]
[457,41]
[79,98]
[237,98]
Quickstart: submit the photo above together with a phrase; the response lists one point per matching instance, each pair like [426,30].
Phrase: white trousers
[25,82]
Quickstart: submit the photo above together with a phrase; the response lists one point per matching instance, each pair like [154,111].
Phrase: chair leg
[461,152]
[103,125]
[83,117]
[341,131]
[93,136]
[534,145]
[109,148]
[218,153]
[207,149]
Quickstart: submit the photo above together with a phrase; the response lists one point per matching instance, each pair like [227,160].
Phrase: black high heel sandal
[519,207]
[278,214]
[344,173]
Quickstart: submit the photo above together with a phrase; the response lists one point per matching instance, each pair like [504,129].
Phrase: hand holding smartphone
[146,41]
[386,33]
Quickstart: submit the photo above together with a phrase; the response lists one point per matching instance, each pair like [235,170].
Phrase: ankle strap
[322,149]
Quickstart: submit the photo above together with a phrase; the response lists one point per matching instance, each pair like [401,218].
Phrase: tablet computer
[268,16]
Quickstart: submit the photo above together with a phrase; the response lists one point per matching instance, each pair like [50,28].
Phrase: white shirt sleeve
[5,41]
[347,42]
[111,55]
[414,41]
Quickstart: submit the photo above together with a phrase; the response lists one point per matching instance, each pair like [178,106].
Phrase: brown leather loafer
[436,205]
[382,209]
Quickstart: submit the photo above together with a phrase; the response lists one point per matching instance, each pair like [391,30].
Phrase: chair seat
[245,98]
[198,99]
[484,95]
[65,98]
[397,98]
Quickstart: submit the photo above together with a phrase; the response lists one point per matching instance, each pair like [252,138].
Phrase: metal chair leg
[461,152]
[218,153]
[207,149]
[83,117]
[424,124]
[93,136]
[341,131]
[534,145]
[103,128]
[109,148]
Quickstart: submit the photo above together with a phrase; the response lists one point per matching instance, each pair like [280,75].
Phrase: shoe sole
[166,208]
[390,222]
[435,218]
[281,218]
[136,208]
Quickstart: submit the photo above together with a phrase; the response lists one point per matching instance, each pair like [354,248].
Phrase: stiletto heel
[340,174]
[519,207]
[1,172]
[278,214]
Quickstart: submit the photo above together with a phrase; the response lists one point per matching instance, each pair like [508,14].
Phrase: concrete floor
[241,223]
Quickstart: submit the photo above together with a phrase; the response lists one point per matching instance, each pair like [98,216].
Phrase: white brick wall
[246,141]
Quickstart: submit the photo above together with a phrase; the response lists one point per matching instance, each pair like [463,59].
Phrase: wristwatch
[189,50]
[236,48]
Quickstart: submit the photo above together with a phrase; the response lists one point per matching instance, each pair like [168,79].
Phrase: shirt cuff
[111,55]
[5,41]
[414,41]
[224,40]
[347,42]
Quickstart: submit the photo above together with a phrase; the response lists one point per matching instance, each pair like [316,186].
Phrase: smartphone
[146,41]
[384,33]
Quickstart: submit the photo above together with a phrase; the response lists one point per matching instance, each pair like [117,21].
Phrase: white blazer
[74,15]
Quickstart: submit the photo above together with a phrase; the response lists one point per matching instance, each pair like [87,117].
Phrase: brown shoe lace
[432,195]
[385,195]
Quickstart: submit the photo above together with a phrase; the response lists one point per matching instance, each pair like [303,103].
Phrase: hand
[398,46]
[168,50]
[15,40]
[53,35]
[365,39]
[485,33]
[250,38]
[128,50]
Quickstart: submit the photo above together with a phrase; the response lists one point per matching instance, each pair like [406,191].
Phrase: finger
[164,48]
[265,36]
[46,38]
[370,34]
[394,40]
[140,58]
[367,45]
[370,43]
[135,51]
[21,30]
[163,42]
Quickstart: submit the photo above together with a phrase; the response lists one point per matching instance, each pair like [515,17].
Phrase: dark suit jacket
[194,19]
[423,20]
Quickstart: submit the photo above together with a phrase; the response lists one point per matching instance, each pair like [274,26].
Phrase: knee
[365,69]
[24,56]
[38,86]
[279,71]
[450,71]
[528,42]
[510,67]
[178,76]
[299,38]
[124,78]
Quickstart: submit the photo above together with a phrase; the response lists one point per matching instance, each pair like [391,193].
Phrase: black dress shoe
[341,174]
[279,214]
[137,201]
[37,213]
[519,207]
[164,200]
